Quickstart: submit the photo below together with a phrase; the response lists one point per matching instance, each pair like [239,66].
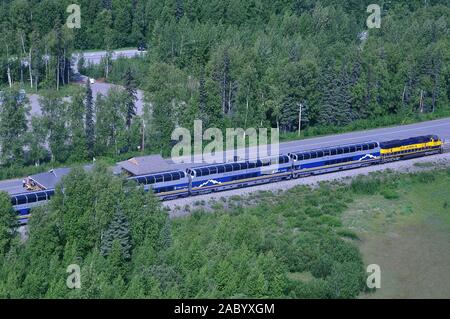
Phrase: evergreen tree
[107,4]
[13,126]
[130,88]
[7,223]
[76,114]
[165,240]
[179,11]
[122,24]
[335,98]
[118,230]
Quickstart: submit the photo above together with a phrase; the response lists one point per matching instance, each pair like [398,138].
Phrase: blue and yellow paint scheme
[412,146]
[199,180]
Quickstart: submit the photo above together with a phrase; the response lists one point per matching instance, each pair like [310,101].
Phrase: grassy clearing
[408,236]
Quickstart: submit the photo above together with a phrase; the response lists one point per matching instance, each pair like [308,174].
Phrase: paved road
[13,186]
[97,87]
[96,57]
[440,127]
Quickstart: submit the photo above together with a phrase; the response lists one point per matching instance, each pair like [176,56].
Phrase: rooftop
[145,165]
[49,179]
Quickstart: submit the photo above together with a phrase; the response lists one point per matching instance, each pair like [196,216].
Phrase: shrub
[424,177]
[389,193]
[365,185]
[322,266]
[347,233]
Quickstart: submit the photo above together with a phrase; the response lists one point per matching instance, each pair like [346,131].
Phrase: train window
[313,154]
[352,149]
[236,167]
[306,156]
[22,199]
[326,152]
[228,168]
[319,153]
[213,170]
[358,148]
[340,151]
[167,177]
[158,178]
[220,169]
[365,147]
[251,165]
[31,198]
[41,196]
[197,172]
[333,151]
[175,176]
[204,171]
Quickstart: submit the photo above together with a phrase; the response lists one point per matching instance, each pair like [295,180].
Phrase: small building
[145,165]
[47,180]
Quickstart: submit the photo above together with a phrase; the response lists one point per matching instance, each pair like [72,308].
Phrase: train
[221,177]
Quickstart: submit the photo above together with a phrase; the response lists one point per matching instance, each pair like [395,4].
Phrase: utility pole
[143,135]
[421,101]
[300,105]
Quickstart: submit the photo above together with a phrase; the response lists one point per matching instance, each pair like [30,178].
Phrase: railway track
[446,147]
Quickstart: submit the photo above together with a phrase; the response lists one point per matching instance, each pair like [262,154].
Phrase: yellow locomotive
[411,147]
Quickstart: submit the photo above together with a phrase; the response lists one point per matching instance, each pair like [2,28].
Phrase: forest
[256,246]
[126,246]
[229,63]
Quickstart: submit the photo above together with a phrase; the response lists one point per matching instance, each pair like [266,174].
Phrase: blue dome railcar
[22,203]
[336,158]
[166,185]
[222,177]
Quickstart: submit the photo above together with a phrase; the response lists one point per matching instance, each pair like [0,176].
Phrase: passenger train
[221,177]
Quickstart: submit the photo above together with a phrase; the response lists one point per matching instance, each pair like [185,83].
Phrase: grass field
[407,235]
